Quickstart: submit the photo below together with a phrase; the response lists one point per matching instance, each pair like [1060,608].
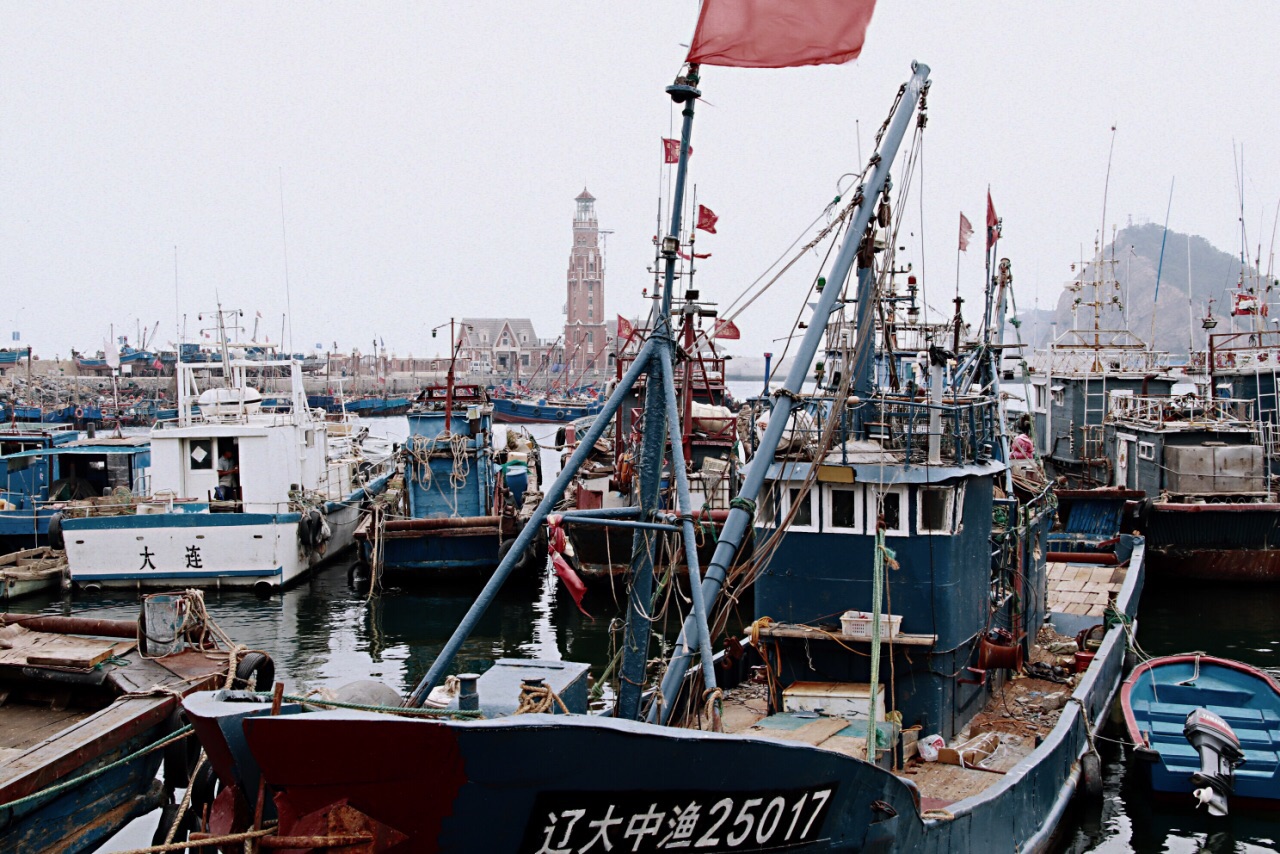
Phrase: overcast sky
[429,153]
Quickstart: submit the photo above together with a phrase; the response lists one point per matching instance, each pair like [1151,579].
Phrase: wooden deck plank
[23,725]
[788,630]
[813,733]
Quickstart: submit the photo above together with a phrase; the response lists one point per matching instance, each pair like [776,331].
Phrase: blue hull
[24,529]
[537,771]
[435,556]
[85,816]
[511,411]
[1156,706]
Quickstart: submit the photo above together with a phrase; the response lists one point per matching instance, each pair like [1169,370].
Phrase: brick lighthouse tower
[585,332]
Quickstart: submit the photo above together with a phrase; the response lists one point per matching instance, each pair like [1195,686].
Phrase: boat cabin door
[1124,450]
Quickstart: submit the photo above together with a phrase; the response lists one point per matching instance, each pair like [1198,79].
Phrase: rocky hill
[1214,275]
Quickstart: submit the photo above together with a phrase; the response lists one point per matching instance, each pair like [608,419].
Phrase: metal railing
[1089,360]
[967,427]
[1163,410]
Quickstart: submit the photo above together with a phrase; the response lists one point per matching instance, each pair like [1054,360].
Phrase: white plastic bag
[929,747]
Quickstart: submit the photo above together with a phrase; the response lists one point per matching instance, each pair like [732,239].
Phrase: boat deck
[1083,589]
[1021,711]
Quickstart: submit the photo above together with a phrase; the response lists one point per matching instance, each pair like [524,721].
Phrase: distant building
[586,334]
[499,345]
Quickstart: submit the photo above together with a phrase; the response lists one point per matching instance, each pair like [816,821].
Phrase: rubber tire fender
[168,812]
[1091,776]
[309,528]
[256,669]
[181,756]
[56,538]
[316,520]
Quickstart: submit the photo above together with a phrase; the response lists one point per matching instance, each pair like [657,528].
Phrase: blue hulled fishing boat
[28,473]
[1205,726]
[542,410]
[460,500]
[900,578]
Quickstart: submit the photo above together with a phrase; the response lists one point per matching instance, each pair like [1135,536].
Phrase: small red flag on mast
[776,34]
[966,231]
[726,329]
[706,219]
[993,222]
[625,330]
[671,150]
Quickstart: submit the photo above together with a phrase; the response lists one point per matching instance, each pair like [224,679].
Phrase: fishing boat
[12,355]
[31,571]
[1077,377]
[709,433]
[1206,729]
[378,407]
[899,528]
[238,496]
[542,410]
[461,499]
[46,471]
[91,717]
[1210,510]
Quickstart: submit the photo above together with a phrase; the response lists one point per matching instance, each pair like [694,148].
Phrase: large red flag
[706,219]
[966,231]
[993,222]
[780,33]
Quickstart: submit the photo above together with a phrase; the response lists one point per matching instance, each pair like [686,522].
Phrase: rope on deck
[364,707]
[245,836]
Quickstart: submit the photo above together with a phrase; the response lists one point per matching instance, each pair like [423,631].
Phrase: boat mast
[653,360]
[635,649]
[786,399]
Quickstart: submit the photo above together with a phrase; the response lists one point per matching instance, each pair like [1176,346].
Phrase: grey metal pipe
[686,519]
[529,531]
[735,527]
[635,647]
[624,523]
[601,513]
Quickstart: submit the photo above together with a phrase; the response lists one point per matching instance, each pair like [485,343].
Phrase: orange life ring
[79,412]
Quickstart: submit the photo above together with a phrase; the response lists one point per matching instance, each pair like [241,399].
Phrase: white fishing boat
[238,496]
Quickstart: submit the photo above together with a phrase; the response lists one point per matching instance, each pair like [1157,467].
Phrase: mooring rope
[538,699]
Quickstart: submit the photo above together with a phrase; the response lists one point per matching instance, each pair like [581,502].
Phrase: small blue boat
[512,410]
[1161,699]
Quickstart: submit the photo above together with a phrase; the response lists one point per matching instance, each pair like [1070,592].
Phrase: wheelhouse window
[1146,451]
[767,508]
[802,501]
[842,509]
[936,512]
[891,505]
[200,454]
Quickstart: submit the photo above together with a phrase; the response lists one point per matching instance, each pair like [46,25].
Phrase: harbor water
[327,631]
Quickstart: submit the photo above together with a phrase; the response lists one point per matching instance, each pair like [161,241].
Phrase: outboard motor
[1220,753]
